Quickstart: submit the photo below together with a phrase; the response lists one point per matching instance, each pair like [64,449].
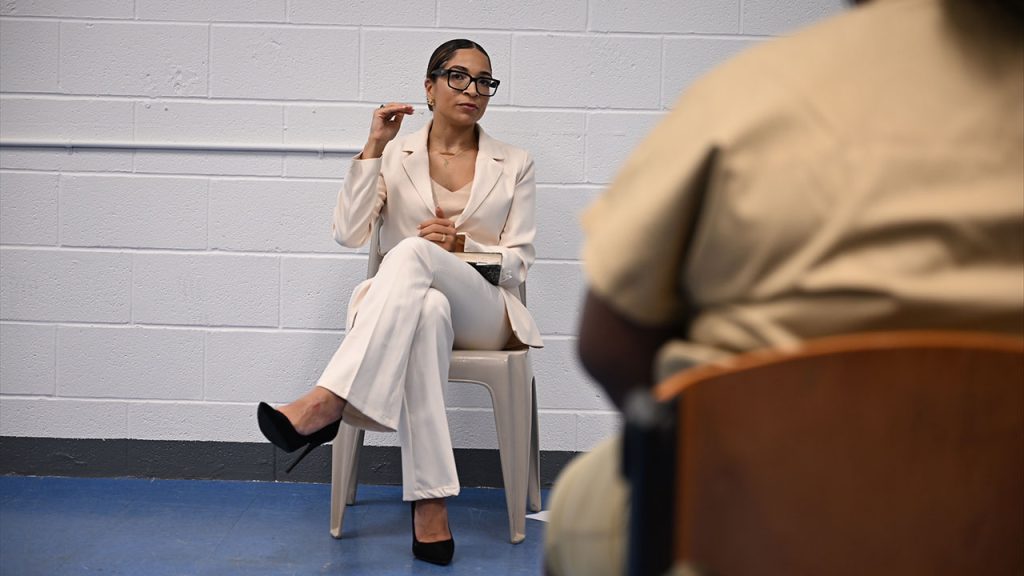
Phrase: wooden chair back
[898,453]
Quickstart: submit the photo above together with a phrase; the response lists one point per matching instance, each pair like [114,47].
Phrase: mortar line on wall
[126,20]
[137,20]
[355,256]
[578,411]
[661,75]
[185,176]
[357,27]
[575,431]
[558,260]
[135,152]
[284,135]
[60,59]
[359,62]
[56,362]
[616,34]
[468,409]
[182,251]
[209,59]
[280,288]
[131,293]
[249,178]
[60,209]
[381,27]
[193,175]
[511,55]
[205,340]
[128,401]
[298,25]
[53,392]
[586,145]
[101,173]
[209,191]
[275,150]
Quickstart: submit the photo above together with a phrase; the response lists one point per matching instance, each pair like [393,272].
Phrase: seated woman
[448,187]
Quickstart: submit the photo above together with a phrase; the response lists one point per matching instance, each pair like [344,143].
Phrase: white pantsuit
[402,324]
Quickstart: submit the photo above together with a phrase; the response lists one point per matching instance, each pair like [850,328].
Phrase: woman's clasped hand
[439,230]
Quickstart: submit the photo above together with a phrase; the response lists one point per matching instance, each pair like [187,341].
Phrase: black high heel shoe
[276,427]
[439,553]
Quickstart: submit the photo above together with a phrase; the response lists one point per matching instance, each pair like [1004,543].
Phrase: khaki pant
[589,518]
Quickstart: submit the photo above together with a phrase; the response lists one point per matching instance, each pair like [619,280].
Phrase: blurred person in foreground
[864,174]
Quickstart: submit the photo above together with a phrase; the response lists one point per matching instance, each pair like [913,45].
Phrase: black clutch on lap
[488,264]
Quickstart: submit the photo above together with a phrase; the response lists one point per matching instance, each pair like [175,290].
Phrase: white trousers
[393,364]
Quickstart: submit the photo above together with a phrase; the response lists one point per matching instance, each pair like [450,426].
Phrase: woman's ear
[428,86]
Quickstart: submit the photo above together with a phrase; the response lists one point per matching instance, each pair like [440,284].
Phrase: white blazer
[499,216]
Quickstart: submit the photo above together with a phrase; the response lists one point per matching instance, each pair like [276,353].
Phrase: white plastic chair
[508,376]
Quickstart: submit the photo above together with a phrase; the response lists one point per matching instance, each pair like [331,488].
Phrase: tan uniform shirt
[864,174]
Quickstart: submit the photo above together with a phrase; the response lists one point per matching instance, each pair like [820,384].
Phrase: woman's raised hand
[387,119]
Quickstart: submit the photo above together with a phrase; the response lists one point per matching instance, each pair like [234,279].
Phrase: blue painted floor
[69,526]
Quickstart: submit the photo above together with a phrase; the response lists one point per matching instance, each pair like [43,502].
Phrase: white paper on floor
[542,516]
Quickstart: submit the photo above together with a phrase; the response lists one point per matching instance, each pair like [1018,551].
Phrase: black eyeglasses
[459,80]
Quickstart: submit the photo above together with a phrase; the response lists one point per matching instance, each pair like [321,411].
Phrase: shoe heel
[309,448]
[322,436]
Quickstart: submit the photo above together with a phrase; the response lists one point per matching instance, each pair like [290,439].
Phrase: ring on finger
[444,237]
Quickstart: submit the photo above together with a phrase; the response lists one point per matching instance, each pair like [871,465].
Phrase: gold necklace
[450,155]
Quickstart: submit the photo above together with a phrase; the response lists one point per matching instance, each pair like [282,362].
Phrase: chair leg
[533,491]
[513,424]
[353,483]
[344,457]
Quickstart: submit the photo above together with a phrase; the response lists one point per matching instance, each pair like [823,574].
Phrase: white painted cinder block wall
[159,295]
